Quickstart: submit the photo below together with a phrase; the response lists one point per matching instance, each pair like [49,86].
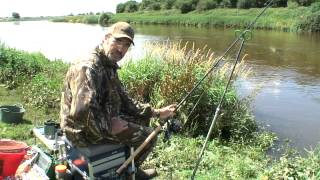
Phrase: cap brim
[123,36]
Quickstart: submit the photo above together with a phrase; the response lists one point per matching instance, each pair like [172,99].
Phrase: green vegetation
[16,15]
[282,19]
[86,19]
[185,6]
[162,77]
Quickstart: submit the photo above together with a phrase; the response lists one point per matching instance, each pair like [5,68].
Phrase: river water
[285,66]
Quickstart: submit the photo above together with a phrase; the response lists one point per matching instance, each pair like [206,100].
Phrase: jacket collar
[104,59]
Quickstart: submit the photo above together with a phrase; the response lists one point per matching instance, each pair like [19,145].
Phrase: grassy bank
[161,77]
[292,19]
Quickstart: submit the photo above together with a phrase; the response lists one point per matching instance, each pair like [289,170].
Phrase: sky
[34,8]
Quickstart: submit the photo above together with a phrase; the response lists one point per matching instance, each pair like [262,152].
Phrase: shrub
[245,4]
[304,2]
[131,6]
[120,8]
[206,5]
[156,6]
[315,7]
[292,5]
[17,66]
[311,23]
[186,6]
[168,4]
[225,4]
[104,18]
[90,19]
[168,73]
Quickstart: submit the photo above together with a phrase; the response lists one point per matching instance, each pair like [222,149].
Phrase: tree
[186,6]
[131,6]
[104,18]
[168,4]
[206,5]
[16,15]
[120,8]
[245,4]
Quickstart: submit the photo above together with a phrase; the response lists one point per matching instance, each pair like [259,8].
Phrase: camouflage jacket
[92,95]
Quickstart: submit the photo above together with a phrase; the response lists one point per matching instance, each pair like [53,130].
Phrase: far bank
[289,19]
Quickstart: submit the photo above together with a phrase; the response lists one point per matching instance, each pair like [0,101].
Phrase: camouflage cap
[120,30]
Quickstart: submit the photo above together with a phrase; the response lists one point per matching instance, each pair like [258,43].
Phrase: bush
[39,79]
[304,2]
[225,4]
[315,7]
[186,6]
[206,5]
[260,3]
[104,18]
[292,5]
[17,66]
[311,23]
[131,6]
[245,4]
[90,19]
[120,8]
[280,3]
[168,4]
[156,6]
[168,73]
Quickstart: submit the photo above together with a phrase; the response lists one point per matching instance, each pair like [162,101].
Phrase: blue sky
[32,8]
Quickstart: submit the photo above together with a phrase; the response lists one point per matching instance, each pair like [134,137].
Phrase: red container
[11,155]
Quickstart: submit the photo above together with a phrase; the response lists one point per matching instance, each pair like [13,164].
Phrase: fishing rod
[217,110]
[243,38]
[158,128]
[249,28]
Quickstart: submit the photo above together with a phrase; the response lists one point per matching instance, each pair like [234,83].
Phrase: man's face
[116,48]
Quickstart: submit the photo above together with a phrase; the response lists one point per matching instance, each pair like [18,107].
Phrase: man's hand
[166,112]
[118,125]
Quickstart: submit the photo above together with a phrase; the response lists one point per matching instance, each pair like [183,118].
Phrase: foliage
[242,157]
[169,72]
[294,166]
[17,66]
[120,8]
[311,23]
[245,4]
[168,4]
[292,4]
[91,19]
[131,6]
[30,71]
[186,6]
[16,15]
[305,2]
[104,18]
[282,19]
[221,160]
[315,7]
[206,5]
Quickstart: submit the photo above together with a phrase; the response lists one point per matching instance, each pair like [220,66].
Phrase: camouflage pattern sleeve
[85,107]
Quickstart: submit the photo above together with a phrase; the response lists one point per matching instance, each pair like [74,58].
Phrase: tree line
[186,6]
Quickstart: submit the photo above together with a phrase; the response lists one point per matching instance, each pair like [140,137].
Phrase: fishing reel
[173,126]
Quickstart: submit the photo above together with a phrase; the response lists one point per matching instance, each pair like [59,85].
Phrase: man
[95,108]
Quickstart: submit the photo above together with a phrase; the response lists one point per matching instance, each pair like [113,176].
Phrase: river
[285,66]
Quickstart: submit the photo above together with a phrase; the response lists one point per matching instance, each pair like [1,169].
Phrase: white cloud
[56,7]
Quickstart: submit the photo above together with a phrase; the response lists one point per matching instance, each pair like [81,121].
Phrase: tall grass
[170,70]
[38,79]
